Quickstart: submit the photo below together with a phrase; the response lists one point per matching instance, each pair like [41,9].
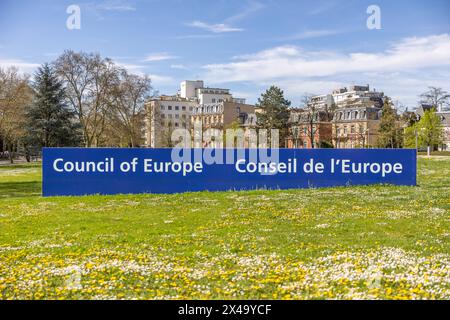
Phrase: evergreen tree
[274,112]
[389,133]
[49,121]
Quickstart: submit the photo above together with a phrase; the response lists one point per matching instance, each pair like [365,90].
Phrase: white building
[324,101]
[360,94]
[164,115]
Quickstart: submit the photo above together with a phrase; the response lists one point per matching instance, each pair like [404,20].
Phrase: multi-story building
[345,96]
[356,126]
[346,118]
[167,113]
[196,91]
[322,102]
[223,115]
[356,117]
[307,123]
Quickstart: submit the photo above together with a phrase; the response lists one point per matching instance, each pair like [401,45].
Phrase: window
[183,116]
[163,116]
[177,108]
[190,108]
[176,124]
[162,108]
[183,108]
[170,116]
[169,108]
[213,100]
[177,116]
[352,129]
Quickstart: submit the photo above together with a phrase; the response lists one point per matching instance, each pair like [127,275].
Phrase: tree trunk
[10,153]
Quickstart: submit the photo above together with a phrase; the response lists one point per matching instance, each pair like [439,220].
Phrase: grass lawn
[347,243]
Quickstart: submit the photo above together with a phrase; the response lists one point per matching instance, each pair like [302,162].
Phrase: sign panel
[85,171]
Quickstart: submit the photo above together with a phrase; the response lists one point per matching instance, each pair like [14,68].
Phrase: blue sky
[244,45]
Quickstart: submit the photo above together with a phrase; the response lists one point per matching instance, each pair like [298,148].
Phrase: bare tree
[129,94]
[88,80]
[310,116]
[15,96]
[436,97]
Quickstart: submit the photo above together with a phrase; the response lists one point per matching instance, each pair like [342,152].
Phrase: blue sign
[84,171]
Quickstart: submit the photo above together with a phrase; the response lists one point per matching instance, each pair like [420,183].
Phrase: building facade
[356,117]
[163,115]
[356,127]
[304,124]
[223,115]
[217,107]
[445,120]
[349,117]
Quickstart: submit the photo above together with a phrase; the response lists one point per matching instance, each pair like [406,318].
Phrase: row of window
[176,108]
[344,130]
[214,91]
[351,115]
[208,109]
[352,130]
[170,116]
[175,124]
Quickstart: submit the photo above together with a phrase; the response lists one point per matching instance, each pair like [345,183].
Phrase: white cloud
[288,61]
[101,9]
[159,57]
[161,80]
[409,62]
[115,5]
[141,70]
[226,26]
[215,28]
[310,34]
[251,7]
[324,7]
[118,8]
[22,66]
[133,68]
[198,36]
